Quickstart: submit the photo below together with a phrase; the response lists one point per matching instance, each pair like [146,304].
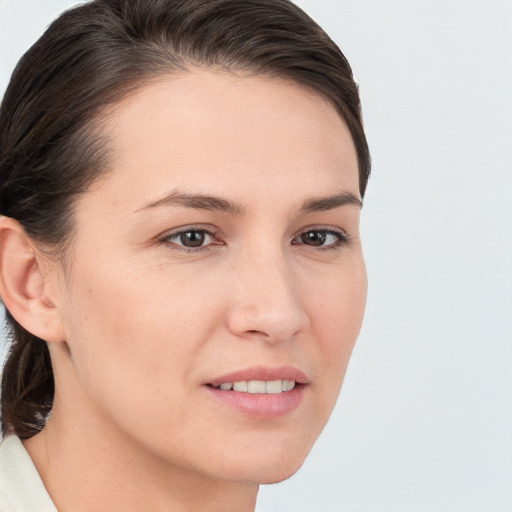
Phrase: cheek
[136,334]
[336,322]
[127,302]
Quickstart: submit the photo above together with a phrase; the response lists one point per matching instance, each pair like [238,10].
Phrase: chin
[265,475]
[274,477]
[265,467]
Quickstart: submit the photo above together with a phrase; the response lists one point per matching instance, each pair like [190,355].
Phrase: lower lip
[261,405]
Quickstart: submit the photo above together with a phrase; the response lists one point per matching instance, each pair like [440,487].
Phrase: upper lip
[262,373]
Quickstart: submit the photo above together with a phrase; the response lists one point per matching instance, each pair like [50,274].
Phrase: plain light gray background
[424,422]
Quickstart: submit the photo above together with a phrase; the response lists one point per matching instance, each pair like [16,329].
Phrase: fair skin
[141,328]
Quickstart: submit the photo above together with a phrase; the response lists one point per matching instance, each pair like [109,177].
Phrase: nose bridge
[266,301]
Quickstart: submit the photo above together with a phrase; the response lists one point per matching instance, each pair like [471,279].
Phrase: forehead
[205,129]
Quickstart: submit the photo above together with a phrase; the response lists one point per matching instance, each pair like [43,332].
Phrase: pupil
[192,239]
[313,238]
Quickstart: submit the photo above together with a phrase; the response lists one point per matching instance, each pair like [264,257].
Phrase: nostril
[261,334]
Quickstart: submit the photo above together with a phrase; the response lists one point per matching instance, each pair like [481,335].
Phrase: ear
[27,283]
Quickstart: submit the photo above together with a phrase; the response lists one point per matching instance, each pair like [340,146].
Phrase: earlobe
[24,283]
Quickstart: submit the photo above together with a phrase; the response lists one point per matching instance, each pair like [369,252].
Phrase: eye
[190,238]
[323,238]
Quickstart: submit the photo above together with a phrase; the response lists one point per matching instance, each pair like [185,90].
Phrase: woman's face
[222,248]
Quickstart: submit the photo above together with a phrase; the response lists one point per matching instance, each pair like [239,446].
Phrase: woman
[181,183]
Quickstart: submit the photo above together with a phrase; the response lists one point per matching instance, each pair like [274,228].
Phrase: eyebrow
[329,203]
[197,202]
[218,204]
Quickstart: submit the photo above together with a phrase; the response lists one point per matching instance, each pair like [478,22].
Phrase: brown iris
[313,237]
[192,238]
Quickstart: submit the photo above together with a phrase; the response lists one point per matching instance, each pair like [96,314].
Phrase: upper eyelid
[167,237]
[328,229]
[212,231]
[177,233]
[343,238]
[183,229]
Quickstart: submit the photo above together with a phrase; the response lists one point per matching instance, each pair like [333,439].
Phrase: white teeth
[274,386]
[259,386]
[256,386]
[288,385]
[240,386]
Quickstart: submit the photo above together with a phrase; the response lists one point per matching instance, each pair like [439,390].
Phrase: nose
[266,303]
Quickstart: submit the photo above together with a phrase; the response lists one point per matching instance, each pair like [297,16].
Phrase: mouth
[270,387]
[260,392]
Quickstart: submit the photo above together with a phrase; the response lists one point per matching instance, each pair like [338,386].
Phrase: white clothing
[21,487]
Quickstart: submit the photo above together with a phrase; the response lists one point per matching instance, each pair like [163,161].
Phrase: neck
[87,466]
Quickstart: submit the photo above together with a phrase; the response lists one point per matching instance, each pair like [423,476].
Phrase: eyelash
[168,239]
[342,239]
